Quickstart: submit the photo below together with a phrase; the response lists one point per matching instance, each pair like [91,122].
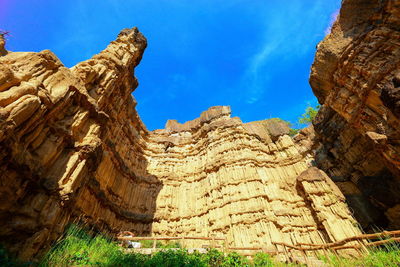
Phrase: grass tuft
[79,248]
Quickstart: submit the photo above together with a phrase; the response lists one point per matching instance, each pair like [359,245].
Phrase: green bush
[79,248]
[160,244]
[174,258]
[309,115]
[262,260]
[386,256]
[214,258]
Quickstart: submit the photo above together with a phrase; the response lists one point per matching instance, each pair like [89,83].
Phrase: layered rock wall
[72,147]
[356,76]
[225,178]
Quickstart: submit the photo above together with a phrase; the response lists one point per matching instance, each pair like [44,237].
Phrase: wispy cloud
[334,16]
[288,34]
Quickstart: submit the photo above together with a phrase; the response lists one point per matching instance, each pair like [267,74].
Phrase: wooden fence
[156,238]
[360,243]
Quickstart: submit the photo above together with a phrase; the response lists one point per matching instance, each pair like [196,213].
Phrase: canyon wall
[73,148]
[247,182]
[356,76]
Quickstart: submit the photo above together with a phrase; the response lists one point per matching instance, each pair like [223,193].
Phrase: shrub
[262,260]
[79,248]
[308,116]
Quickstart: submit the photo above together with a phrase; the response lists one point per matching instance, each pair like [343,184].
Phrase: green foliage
[170,244]
[308,116]
[172,258]
[233,259]
[262,260]
[160,244]
[149,243]
[78,248]
[293,131]
[387,256]
[214,258]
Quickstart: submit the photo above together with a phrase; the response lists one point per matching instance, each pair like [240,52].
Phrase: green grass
[79,248]
[160,244]
[386,256]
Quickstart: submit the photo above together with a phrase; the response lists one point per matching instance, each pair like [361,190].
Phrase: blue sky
[254,55]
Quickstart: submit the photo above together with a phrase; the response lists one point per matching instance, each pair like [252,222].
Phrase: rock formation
[245,181]
[72,147]
[356,76]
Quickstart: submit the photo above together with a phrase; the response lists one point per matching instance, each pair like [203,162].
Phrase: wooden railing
[359,244]
[156,238]
[386,237]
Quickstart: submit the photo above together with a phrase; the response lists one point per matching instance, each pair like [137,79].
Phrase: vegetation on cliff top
[306,119]
[309,114]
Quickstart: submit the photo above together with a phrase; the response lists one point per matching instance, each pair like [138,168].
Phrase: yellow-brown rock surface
[356,76]
[72,147]
[225,178]
[70,143]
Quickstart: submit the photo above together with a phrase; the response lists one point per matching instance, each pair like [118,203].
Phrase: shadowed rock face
[355,76]
[72,147]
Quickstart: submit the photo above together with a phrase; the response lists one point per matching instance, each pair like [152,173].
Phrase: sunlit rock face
[356,76]
[72,147]
[221,177]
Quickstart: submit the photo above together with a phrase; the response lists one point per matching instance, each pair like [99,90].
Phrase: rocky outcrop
[70,143]
[356,76]
[225,178]
[72,147]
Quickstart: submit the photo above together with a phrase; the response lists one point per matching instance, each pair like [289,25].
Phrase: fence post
[154,244]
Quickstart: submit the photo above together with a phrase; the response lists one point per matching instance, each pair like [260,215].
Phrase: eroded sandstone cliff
[244,181]
[72,147]
[356,76]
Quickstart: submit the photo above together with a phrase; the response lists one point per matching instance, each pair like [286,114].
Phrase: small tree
[4,33]
[309,115]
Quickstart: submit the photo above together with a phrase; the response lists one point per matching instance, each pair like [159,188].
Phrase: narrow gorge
[73,148]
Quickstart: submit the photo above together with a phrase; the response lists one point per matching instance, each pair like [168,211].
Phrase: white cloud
[288,33]
[334,16]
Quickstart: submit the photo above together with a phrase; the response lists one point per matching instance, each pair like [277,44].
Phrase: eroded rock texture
[245,181]
[72,147]
[356,76]
[70,143]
